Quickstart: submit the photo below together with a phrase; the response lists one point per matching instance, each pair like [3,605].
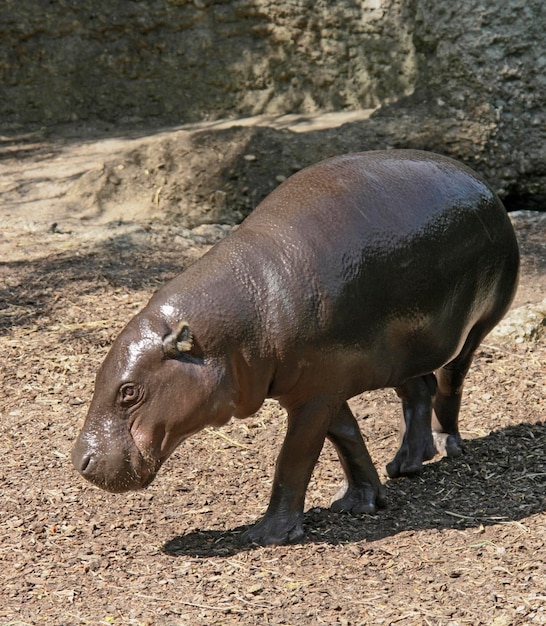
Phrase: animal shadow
[500,478]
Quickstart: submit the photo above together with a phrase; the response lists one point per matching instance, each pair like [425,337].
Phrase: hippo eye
[129,394]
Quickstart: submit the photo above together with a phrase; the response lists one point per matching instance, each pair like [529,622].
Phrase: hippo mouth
[123,478]
[157,446]
[115,470]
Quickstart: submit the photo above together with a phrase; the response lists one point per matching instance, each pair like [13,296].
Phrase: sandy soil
[464,543]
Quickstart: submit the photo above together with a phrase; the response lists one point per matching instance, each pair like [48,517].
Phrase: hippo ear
[179,341]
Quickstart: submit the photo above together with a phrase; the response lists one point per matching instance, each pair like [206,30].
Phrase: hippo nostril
[85,463]
[83,458]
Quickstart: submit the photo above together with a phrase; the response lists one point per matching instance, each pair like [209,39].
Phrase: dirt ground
[463,543]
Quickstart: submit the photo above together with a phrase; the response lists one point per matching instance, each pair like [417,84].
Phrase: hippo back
[378,236]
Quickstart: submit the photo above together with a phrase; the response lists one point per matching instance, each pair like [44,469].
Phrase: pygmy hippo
[364,271]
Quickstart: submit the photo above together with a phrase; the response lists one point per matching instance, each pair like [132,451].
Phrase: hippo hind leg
[417,443]
[362,492]
[425,430]
[445,418]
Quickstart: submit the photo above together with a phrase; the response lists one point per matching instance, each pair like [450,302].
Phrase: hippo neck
[216,302]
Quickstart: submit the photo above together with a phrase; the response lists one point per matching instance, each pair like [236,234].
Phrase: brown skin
[380,269]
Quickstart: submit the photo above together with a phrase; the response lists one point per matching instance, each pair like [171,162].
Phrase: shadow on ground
[32,289]
[500,479]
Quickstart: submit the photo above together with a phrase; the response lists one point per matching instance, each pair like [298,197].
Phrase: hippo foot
[276,530]
[448,445]
[408,461]
[357,500]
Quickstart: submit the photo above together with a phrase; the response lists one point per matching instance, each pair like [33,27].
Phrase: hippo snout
[116,470]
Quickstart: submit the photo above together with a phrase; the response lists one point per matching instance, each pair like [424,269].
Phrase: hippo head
[154,389]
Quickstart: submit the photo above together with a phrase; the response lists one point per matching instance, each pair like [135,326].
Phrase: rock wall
[174,61]
[484,62]
[467,79]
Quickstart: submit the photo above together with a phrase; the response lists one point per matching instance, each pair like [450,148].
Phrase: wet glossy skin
[380,269]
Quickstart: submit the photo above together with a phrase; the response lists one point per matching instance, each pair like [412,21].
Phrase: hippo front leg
[417,442]
[283,520]
[363,492]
